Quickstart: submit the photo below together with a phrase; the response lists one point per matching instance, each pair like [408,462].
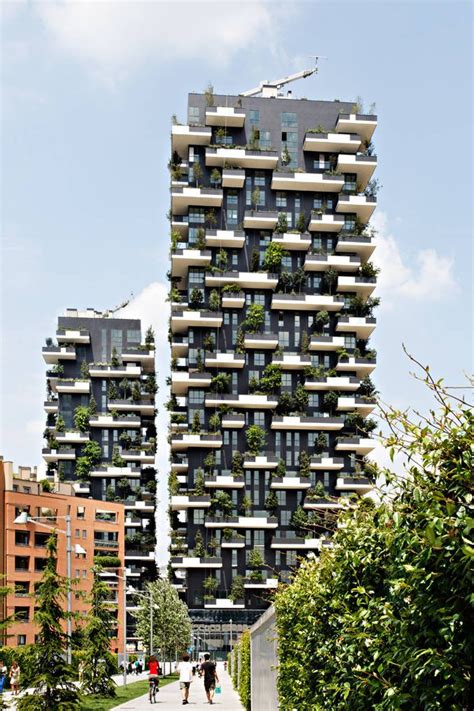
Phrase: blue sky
[88,92]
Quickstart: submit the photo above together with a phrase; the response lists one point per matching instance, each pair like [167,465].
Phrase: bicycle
[153,688]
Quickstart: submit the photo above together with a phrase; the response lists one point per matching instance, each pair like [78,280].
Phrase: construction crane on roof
[270,88]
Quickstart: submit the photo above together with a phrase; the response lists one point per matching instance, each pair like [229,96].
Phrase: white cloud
[428,275]
[114,38]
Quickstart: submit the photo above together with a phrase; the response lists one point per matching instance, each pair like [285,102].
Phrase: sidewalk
[169,697]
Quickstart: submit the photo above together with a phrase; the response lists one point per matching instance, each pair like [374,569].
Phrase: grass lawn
[131,691]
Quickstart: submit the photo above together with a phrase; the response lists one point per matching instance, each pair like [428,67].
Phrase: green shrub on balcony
[220,383]
[305,463]
[254,318]
[237,590]
[256,438]
[199,487]
[237,465]
[107,561]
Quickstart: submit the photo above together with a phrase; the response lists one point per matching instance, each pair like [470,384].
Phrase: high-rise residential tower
[272,309]
[101,433]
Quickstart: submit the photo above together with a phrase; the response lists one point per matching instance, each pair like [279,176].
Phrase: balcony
[310,424]
[260,461]
[224,482]
[359,205]
[359,484]
[72,335]
[313,182]
[181,465]
[51,406]
[53,354]
[145,357]
[323,262]
[233,178]
[247,402]
[234,239]
[361,245]
[362,326]
[111,472]
[359,445]
[224,360]
[362,286]
[81,488]
[233,300]
[74,387]
[341,382]
[239,522]
[233,543]
[364,406]
[181,381]
[332,504]
[291,361]
[360,366]
[182,198]
[326,223]
[233,421]
[183,442]
[332,142]
[363,125]
[60,455]
[224,604]
[260,219]
[181,321]
[138,505]
[180,223]
[115,371]
[306,302]
[295,543]
[135,455]
[179,346]
[326,343]
[199,563]
[148,556]
[182,259]
[244,280]
[225,116]
[326,463]
[261,341]
[241,158]
[265,584]
[184,136]
[119,422]
[144,407]
[297,483]
[72,437]
[362,166]
[298,241]
[183,503]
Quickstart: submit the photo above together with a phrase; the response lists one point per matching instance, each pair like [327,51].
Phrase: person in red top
[153,667]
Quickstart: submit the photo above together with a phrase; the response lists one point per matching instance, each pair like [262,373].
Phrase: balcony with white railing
[362,286]
[73,335]
[326,223]
[233,300]
[119,422]
[185,441]
[51,406]
[113,472]
[182,380]
[326,343]
[318,463]
[138,455]
[359,445]
[54,354]
[263,583]
[73,387]
[244,280]
[332,382]
[306,302]
[183,503]
[363,405]
[290,483]
[313,182]
[362,485]
[72,437]
[261,341]
[260,219]
[293,241]
[362,124]
[332,142]
[359,366]
[225,238]
[260,461]
[243,401]
[291,361]
[184,136]
[362,166]
[362,326]
[307,424]
[224,604]
[144,407]
[143,356]
[196,563]
[226,116]
[241,158]
[288,543]
[321,504]
[183,259]
[360,205]
[363,245]
[233,421]
[323,262]
[114,371]
[183,320]
[62,454]
[217,481]
[243,522]
[182,198]
[222,359]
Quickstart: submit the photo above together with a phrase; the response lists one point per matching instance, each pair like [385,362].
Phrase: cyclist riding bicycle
[153,676]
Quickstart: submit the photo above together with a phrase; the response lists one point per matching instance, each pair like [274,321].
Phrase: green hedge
[244,681]
[24,656]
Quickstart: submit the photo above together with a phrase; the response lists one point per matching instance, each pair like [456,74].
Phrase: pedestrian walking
[208,669]
[3,675]
[15,677]
[129,668]
[185,677]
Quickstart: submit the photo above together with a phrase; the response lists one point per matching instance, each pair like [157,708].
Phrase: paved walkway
[169,697]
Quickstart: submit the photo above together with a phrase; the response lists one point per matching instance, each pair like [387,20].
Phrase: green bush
[244,681]
[107,561]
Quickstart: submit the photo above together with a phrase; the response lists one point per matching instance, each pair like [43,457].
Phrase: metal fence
[264,662]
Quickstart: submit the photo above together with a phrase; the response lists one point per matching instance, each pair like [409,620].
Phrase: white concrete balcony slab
[268,584]
[244,280]
[307,424]
[233,543]
[323,262]
[181,321]
[293,241]
[182,198]
[306,302]
[233,300]
[362,245]
[142,456]
[234,421]
[243,401]
[111,371]
[294,543]
[111,472]
[241,158]
[326,343]
[326,223]
[362,166]
[180,223]
[224,604]
[140,555]
[322,504]
[144,407]
[243,522]
[81,487]
[224,482]
[359,445]
[180,466]
[179,346]
[364,406]
[332,142]
[260,219]
[182,259]
[359,484]
[120,422]
[360,205]
[261,341]
[72,335]
[234,239]
[233,178]
[326,463]
[360,366]
[51,406]
[292,361]
[54,354]
[181,381]
[313,182]
[58,455]
[141,506]
[261,461]
[290,483]
[362,326]
[224,360]
[75,387]
[72,437]
[131,522]
[362,124]
[333,382]
[141,356]
[362,286]
[183,442]
[183,503]
[196,563]
[184,136]
[225,116]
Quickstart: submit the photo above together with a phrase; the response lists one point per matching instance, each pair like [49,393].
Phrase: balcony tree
[329,280]
[199,550]
[199,487]
[254,318]
[256,439]
[197,172]
[150,337]
[196,424]
[274,254]
[81,418]
[271,503]
[237,590]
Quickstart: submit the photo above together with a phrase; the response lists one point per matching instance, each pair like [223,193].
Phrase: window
[259,419]
[265,140]
[81,512]
[289,119]
[286,263]
[232,197]
[259,179]
[259,359]
[280,199]
[40,564]
[116,340]
[234,558]
[285,516]
[317,203]
[286,381]
[197,214]
[281,496]
[349,222]
[198,516]
[21,640]
[196,396]
[291,558]
[232,217]
[349,342]
[84,533]
[22,588]
[22,562]
[134,336]
[194,115]
[254,116]
[22,538]
[22,614]
[284,339]
[254,375]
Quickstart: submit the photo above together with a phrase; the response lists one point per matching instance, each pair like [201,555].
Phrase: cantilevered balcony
[326,343]
[144,356]
[224,482]
[288,543]
[136,455]
[181,381]
[362,286]
[115,371]
[81,487]
[139,506]
[54,354]
[289,483]
[310,424]
[241,158]
[119,422]
[51,407]
[364,406]
[359,484]
[359,205]
[72,335]
[226,116]
[343,382]
[323,262]
[306,302]
[332,142]
[180,465]
[298,241]
[261,341]
[58,455]
[234,542]
[72,437]
[239,522]
[225,238]
[180,223]
[326,463]
[313,504]
[362,124]
[181,321]
[111,472]
[233,421]
[144,407]
[260,461]
[183,442]
[179,346]
[313,182]
[260,219]
[224,604]
[292,361]
[246,402]
[73,387]
[266,583]
[182,198]
[222,359]
[183,503]
[244,280]
[360,244]
[182,259]
[359,366]
[199,563]
[233,178]
[362,326]
[233,300]
[359,445]
[362,166]
[184,136]
[326,223]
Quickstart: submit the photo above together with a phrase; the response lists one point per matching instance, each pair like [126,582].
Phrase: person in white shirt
[185,669]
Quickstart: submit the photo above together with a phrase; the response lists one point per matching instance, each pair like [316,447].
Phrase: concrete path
[169,697]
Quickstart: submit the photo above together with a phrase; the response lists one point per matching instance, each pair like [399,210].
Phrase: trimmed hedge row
[241,674]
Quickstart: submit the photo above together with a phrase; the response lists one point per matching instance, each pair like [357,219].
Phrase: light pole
[231,636]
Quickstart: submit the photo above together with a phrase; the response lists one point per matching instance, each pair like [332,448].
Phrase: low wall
[264,662]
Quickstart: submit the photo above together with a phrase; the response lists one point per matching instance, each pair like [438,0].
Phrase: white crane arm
[278,83]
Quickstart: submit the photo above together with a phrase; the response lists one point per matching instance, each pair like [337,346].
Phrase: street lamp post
[231,636]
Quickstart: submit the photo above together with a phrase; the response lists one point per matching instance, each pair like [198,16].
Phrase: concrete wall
[264,662]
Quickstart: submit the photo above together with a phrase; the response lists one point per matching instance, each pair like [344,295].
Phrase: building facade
[100,430]
[97,536]
[272,310]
